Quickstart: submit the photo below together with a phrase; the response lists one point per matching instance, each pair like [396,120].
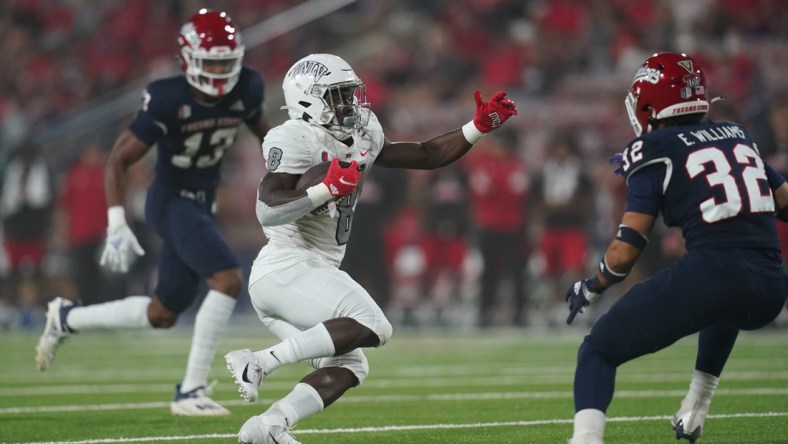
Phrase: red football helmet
[667,84]
[211,52]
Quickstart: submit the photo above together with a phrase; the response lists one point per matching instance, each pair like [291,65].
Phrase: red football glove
[341,181]
[493,113]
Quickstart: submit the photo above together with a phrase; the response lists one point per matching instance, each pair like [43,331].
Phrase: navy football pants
[714,292]
[192,246]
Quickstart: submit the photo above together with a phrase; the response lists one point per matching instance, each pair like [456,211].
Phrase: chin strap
[333,130]
[339,134]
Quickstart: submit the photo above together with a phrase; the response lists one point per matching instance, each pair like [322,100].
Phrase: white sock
[309,344]
[301,402]
[701,390]
[589,427]
[702,387]
[211,319]
[131,312]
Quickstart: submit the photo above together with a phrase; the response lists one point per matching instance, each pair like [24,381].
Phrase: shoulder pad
[161,96]
[288,147]
[252,84]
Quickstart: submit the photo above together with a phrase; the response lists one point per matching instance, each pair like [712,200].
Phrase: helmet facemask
[641,119]
[345,108]
[215,75]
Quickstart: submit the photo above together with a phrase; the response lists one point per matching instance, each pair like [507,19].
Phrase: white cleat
[247,373]
[688,425]
[266,429]
[195,403]
[586,439]
[55,332]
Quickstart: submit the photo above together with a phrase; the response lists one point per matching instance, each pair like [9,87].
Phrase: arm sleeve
[282,214]
[644,194]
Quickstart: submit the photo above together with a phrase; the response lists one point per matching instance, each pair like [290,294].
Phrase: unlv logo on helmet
[310,68]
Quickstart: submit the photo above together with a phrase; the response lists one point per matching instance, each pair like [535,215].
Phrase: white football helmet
[323,89]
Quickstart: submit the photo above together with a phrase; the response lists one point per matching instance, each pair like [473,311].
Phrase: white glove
[121,242]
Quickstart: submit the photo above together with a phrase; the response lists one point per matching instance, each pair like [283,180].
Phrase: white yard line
[404,428]
[383,383]
[764,391]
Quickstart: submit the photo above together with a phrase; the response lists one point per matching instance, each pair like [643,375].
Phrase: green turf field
[427,387]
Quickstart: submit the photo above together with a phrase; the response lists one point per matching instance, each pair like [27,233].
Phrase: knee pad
[355,361]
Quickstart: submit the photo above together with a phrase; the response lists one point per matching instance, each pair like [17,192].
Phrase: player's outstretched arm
[448,147]
[121,241]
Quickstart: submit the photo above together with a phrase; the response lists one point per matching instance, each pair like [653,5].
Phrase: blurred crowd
[491,241]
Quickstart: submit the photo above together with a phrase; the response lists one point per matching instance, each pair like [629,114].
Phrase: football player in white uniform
[322,316]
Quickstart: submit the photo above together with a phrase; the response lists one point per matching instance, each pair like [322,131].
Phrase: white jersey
[294,147]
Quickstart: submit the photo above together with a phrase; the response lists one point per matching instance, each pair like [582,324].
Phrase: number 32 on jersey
[738,173]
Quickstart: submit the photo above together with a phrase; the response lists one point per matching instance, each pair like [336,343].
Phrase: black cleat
[680,433]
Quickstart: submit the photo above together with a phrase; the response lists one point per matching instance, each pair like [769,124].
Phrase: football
[315,174]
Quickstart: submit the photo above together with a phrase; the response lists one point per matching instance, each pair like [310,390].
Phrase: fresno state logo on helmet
[189,36]
[647,74]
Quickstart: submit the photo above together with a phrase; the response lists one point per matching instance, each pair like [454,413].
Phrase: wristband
[471,133]
[116,216]
[632,237]
[593,285]
[318,194]
[611,277]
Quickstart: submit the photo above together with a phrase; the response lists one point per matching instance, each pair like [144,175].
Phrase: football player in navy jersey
[707,178]
[192,119]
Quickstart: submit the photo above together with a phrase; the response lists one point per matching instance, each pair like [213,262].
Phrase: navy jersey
[709,180]
[192,136]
